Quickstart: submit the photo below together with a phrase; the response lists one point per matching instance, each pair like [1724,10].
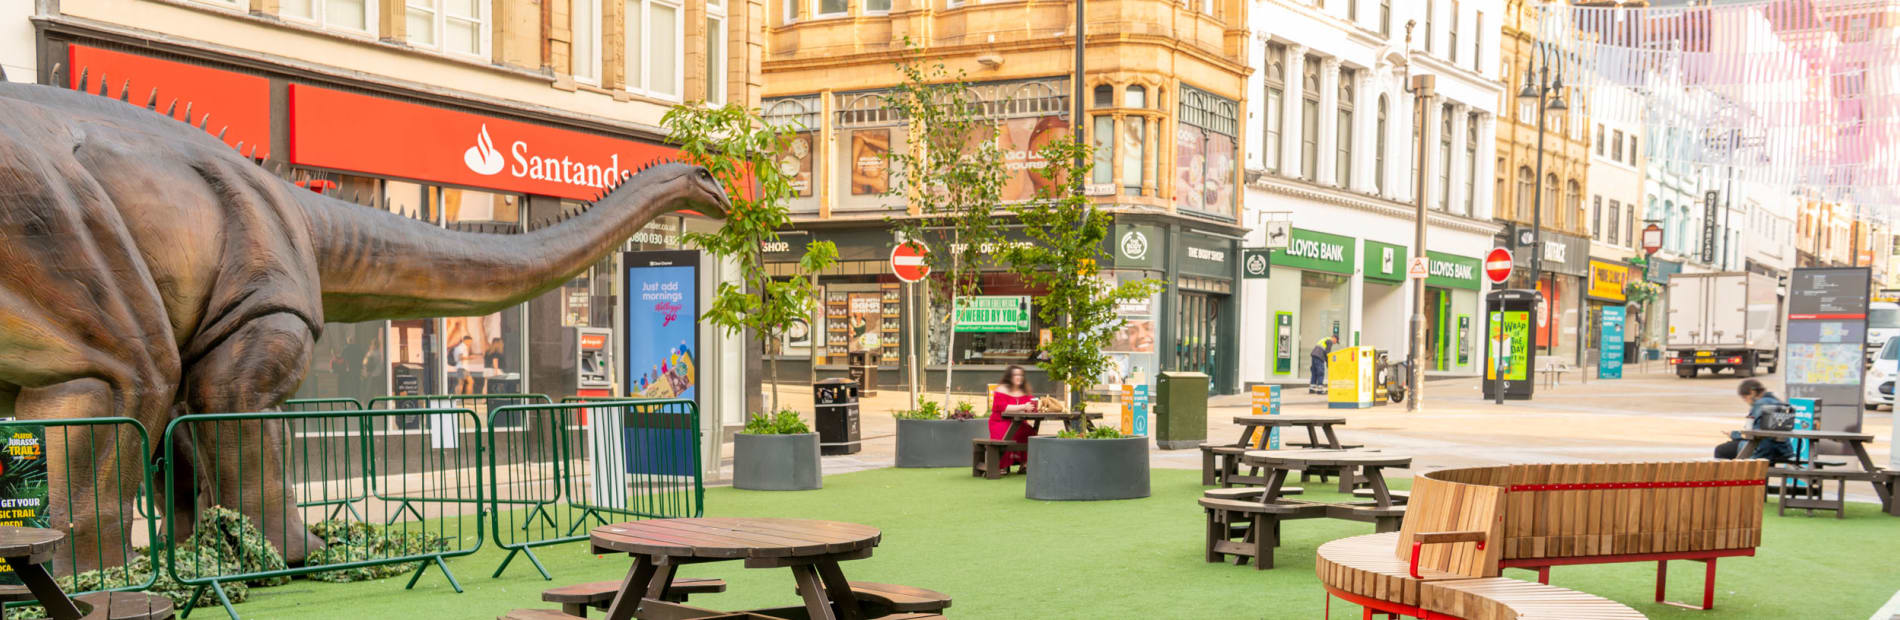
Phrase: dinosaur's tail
[377,265]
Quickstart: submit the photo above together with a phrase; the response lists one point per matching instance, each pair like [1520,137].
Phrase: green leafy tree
[1064,260]
[953,171]
[741,150]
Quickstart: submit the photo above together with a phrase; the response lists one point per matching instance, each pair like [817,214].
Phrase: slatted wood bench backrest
[1441,505]
[1588,509]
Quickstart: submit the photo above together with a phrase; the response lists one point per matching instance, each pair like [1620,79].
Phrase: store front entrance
[1196,337]
[1324,310]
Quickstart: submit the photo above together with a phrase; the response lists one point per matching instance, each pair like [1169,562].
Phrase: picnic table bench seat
[1398,497]
[986,456]
[1463,526]
[898,599]
[575,599]
[125,606]
[1247,492]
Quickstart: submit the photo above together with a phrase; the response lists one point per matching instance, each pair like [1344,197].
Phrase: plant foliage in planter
[785,422]
[927,410]
[964,411]
[1094,432]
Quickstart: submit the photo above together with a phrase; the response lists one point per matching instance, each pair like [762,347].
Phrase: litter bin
[864,372]
[836,402]
[1180,410]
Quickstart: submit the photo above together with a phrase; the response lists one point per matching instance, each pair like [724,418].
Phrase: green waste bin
[1181,410]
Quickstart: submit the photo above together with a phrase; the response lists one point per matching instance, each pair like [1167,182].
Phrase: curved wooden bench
[898,599]
[1463,526]
[125,606]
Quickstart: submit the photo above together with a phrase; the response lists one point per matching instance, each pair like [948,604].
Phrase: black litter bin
[836,401]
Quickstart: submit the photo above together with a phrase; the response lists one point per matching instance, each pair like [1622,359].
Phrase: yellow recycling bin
[1349,381]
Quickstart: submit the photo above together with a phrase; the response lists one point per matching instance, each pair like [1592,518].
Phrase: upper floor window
[1275,101]
[585,22]
[1632,149]
[1342,162]
[1309,120]
[654,47]
[1385,17]
[833,8]
[1444,158]
[1136,97]
[1378,150]
[339,14]
[1352,11]
[453,26]
[877,7]
[1616,146]
[1477,44]
[1471,164]
[1451,38]
[1104,96]
[1599,139]
[1431,8]
[716,51]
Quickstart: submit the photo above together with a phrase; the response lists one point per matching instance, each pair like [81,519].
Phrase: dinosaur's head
[698,189]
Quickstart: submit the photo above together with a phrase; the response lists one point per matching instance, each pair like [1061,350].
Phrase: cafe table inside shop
[812,550]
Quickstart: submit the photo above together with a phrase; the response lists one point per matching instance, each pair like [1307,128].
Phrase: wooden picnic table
[811,549]
[27,550]
[1368,464]
[1035,419]
[1811,469]
[1253,426]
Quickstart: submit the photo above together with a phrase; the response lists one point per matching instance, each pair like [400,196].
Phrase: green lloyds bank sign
[1317,251]
[993,313]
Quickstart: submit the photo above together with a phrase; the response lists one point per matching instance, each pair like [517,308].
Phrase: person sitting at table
[1012,396]
[1760,404]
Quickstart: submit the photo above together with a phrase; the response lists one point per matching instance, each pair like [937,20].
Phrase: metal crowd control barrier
[576,464]
[98,508]
[256,463]
[484,406]
[346,500]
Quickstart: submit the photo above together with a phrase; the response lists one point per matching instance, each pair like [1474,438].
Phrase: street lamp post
[1421,87]
[1545,88]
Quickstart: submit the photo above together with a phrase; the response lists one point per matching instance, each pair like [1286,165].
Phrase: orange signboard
[238,104]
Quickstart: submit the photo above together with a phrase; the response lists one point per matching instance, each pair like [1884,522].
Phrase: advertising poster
[796,164]
[1610,366]
[662,324]
[864,320]
[796,341]
[1514,341]
[870,163]
[1189,162]
[1826,328]
[1135,336]
[23,483]
[1134,409]
[993,314]
[1023,139]
[1217,178]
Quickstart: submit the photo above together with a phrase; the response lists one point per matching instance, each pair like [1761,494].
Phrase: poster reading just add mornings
[662,324]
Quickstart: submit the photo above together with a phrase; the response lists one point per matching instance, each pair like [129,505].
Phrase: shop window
[1275,100]
[1342,162]
[800,116]
[1204,153]
[1103,133]
[1378,150]
[451,26]
[585,21]
[350,360]
[716,50]
[482,354]
[351,15]
[655,54]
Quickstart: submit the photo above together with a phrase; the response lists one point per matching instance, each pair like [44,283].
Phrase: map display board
[1827,326]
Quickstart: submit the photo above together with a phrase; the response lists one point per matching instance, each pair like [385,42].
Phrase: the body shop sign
[361,133]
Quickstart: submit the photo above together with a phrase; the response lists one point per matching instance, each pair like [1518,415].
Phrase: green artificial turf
[999,555]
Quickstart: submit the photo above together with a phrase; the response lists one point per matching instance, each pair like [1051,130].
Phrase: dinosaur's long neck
[377,265]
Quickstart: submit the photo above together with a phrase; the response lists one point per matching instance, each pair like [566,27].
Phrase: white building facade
[1331,154]
[1613,215]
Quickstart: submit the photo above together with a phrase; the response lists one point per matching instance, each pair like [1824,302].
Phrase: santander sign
[383,137]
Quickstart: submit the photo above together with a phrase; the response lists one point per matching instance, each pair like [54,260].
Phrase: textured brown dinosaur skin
[147,270]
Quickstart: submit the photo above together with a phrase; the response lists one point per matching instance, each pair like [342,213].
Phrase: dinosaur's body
[149,271]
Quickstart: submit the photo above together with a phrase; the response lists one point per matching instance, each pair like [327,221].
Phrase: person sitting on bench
[1012,396]
[1761,404]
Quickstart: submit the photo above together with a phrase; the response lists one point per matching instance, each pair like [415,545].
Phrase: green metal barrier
[300,405]
[585,462]
[347,500]
[482,404]
[101,518]
[275,466]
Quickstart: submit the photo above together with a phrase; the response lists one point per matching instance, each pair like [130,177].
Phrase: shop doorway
[1437,327]
[1324,311]
[1196,339]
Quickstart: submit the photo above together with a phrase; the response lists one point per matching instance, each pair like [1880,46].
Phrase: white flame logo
[483,158]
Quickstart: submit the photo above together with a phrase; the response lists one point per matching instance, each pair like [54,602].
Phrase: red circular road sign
[907,261]
[1497,265]
[1652,238]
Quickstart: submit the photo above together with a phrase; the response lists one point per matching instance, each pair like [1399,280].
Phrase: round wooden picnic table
[811,549]
[1368,464]
[27,550]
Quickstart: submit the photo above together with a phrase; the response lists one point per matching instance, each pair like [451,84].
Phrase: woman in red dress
[1011,397]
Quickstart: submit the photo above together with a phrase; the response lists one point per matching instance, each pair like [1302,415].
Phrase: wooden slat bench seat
[1248,530]
[1247,493]
[1398,497]
[575,599]
[986,456]
[898,599]
[1321,445]
[536,614]
[125,606]
[1806,489]
[1463,526]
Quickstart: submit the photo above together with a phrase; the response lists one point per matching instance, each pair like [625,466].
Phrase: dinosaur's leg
[254,369]
[93,472]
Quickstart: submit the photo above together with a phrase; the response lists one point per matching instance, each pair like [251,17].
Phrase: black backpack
[1780,417]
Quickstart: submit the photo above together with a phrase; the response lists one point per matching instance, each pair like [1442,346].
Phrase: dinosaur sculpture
[150,270]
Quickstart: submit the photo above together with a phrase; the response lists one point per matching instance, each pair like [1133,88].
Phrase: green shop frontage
[867,320]
[1307,297]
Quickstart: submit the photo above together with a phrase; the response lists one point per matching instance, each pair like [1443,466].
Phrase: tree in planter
[1065,258]
[953,170]
[742,152]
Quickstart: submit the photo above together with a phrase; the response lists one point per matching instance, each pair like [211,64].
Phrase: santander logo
[482,158]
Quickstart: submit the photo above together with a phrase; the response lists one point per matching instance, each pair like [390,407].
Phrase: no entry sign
[1497,265]
[907,261]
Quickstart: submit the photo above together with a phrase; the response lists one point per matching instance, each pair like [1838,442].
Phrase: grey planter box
[776,462]
[1087,469]
[938,443]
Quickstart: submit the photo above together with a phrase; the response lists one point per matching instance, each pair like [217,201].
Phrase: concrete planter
[938,443]
[1087,469]
[776,462]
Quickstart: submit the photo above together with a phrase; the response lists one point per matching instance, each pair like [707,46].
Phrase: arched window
[1342,163]
[1104,96]
[1471,165]
[1526,192]
[1573,203]
[1550,200]
[1309,120]
[1137,97]
[1378,151]
[1275,100]
[1444,158]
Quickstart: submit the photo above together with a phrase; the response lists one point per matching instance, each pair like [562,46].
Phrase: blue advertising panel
[662,347]
[1610,364]
[1139,409]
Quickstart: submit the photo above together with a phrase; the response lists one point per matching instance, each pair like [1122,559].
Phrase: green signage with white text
[1453,271]
[993,314]
[1318,251]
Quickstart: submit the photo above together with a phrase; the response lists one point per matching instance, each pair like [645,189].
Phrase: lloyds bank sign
[1317,251]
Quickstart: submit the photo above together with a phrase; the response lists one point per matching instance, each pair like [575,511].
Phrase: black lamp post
[1545,87]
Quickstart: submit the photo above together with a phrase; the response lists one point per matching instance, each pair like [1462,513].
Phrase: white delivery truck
[1723,320]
